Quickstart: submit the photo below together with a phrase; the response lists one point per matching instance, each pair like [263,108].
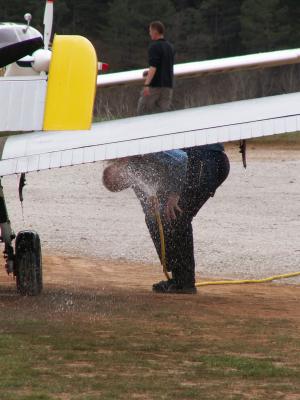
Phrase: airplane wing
[200,68]
[54,108]
[151,133]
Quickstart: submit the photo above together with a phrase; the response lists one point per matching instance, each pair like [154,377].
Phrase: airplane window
[31,33]
[7,37]
[24,36]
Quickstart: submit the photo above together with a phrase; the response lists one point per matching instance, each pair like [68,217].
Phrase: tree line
[200,29]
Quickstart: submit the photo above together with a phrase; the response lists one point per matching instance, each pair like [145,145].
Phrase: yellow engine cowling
[71,84]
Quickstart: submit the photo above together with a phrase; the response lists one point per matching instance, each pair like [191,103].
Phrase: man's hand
[172,207]
[146,91]
[149,76]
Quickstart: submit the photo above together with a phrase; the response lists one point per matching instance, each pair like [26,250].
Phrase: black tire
[28,263]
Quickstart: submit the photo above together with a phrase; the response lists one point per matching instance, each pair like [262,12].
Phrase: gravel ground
[249,229]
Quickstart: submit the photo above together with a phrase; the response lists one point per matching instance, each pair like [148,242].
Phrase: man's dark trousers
[206,170]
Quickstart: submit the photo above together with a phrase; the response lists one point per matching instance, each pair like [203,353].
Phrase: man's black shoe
[171,286]
[163,286]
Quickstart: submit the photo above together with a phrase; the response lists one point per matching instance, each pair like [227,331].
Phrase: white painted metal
[41,60]
[199,68]
[13,70]
[11,33]
[152,133]
[22,103]
[48,22]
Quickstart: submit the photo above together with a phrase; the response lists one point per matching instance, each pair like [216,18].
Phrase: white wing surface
[251,61]
[151,133]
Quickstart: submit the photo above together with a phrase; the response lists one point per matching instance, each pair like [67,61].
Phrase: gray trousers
[159,100]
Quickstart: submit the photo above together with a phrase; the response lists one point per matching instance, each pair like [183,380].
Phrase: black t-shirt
[161,56]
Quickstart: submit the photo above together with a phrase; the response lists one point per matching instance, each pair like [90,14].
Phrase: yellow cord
[155,206]
[238,282]
[163,246]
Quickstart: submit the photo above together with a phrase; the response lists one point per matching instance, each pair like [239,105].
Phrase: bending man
[207,168]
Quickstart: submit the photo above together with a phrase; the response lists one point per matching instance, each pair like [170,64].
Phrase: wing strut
[22,183]
[243,150]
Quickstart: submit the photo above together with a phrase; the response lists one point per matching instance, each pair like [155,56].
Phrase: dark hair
[158,26]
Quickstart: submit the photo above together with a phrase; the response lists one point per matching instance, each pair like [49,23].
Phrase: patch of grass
[244,367]
[170,350]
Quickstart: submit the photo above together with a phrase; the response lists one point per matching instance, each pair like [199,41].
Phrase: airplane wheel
[28,263]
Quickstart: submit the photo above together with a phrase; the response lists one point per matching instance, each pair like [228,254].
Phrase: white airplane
[50,95]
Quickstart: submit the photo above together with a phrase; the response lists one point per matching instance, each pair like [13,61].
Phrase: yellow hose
[163,246]
[155,205]
[238,282]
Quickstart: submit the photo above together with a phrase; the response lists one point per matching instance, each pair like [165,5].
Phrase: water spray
[150,191]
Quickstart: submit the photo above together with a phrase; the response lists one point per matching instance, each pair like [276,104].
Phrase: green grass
[245,367]
[164,351]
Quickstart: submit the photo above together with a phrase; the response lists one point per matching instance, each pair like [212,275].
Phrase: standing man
[157,93]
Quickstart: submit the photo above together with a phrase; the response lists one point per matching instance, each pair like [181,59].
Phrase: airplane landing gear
[28,263]
[25,263]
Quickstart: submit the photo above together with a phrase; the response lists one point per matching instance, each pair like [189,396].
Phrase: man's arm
[174,163]
[149,77]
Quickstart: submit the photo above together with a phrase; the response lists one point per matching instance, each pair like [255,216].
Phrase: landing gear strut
[25,262]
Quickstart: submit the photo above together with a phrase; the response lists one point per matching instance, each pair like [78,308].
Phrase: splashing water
[149,189]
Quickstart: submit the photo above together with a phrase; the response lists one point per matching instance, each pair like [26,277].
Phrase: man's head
[115,177]
[156,30]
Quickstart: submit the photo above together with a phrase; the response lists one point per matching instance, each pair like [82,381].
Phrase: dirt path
[82,283]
